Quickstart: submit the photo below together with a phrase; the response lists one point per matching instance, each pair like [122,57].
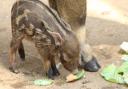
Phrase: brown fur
[74,12]
[33,20]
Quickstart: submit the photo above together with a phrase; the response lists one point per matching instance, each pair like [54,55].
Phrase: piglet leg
[12,53]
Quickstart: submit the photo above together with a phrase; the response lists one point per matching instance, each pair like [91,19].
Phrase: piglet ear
[57,38]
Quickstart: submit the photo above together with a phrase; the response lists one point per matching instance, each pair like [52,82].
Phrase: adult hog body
[74,13]
[53,38]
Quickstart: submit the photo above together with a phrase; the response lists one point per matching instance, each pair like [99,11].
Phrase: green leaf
[123,68]
[108,72]
[125,77]
[111,74]
[43,82]
[80,74]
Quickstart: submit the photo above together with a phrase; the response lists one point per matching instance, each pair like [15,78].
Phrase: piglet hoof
[50,74]
[92,65]
[55,71]
[14,70]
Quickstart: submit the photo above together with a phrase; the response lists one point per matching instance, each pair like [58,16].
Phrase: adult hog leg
[88,61]
[74,12]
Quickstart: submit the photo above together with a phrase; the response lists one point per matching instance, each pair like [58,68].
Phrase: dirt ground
[107,25]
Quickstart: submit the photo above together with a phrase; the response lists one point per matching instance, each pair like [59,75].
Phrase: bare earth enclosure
[107,24]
